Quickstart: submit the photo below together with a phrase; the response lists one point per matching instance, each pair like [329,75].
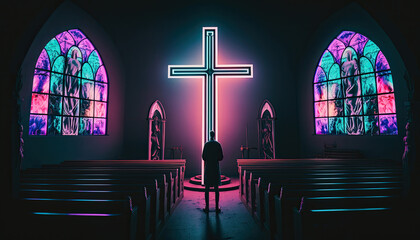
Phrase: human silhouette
[212,154]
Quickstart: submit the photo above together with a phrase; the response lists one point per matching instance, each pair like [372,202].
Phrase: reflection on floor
[190,222]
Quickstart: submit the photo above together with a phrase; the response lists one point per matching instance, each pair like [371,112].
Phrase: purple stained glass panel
[320,75]
[101,91]
[37,124]
[354,125]
[66,41]
[39,103]
[101,75]
[336,47]
[388,124]
[345,37]
[321,109]
[381,62]
[321,125]
[384,82]
[358,42]
[386,103]
[41,82]
[86,48]
[70,125]
[77,35]
[99,126]
[100,109]
[43,61]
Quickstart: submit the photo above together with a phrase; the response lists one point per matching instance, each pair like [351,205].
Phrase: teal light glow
[348,209]
[77,214]
[347,197]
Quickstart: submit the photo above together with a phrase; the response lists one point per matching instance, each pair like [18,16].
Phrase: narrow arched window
[69,89]
[353,89]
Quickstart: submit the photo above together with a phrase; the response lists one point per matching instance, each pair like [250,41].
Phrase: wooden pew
[318,175]
[81,187]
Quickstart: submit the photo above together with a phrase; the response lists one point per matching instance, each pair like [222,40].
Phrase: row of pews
[100,199]
[324,198]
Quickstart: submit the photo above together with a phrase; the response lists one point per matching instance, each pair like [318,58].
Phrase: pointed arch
[69,89]
[357,95]
[266,129]
[156,134]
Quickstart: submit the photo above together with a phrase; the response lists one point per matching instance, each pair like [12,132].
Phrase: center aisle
[190,222]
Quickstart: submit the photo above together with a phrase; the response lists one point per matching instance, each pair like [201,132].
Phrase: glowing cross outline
[210,71]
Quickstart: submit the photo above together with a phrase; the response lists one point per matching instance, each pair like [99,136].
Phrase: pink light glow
[217,71]
[321,109]
[386,103]
[39,103]
[100,109]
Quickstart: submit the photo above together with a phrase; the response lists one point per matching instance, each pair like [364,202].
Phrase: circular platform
[228,184]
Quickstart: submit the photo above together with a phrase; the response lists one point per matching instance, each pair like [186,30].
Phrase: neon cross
[210,71]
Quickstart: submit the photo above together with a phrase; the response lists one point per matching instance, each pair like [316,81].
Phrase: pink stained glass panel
[77,35]
[321,109]
[358,42]
[335,108]
[100,109]
[320,75]
[384,82]
[86,48]
[386,103]
[41,82]
[39,103]
[321,126]
[336,48]
[320,91]
[66,41]
[86,108]
[101,75]
[99,126]
[43,61]
[37,124]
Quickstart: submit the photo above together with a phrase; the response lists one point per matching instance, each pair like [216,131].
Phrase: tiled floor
[189,221]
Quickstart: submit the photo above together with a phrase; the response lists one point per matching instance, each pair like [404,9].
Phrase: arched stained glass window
[353,89]
[70,88]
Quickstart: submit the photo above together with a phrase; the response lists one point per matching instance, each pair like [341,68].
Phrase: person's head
[212,135]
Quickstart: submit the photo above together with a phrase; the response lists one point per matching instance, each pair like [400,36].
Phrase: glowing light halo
[210,70]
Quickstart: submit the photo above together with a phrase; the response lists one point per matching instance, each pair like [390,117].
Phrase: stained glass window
[353,89]
[70,88]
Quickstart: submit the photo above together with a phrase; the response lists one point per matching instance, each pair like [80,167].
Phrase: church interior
[109,104]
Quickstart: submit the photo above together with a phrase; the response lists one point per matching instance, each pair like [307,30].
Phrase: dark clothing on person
[212,154]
